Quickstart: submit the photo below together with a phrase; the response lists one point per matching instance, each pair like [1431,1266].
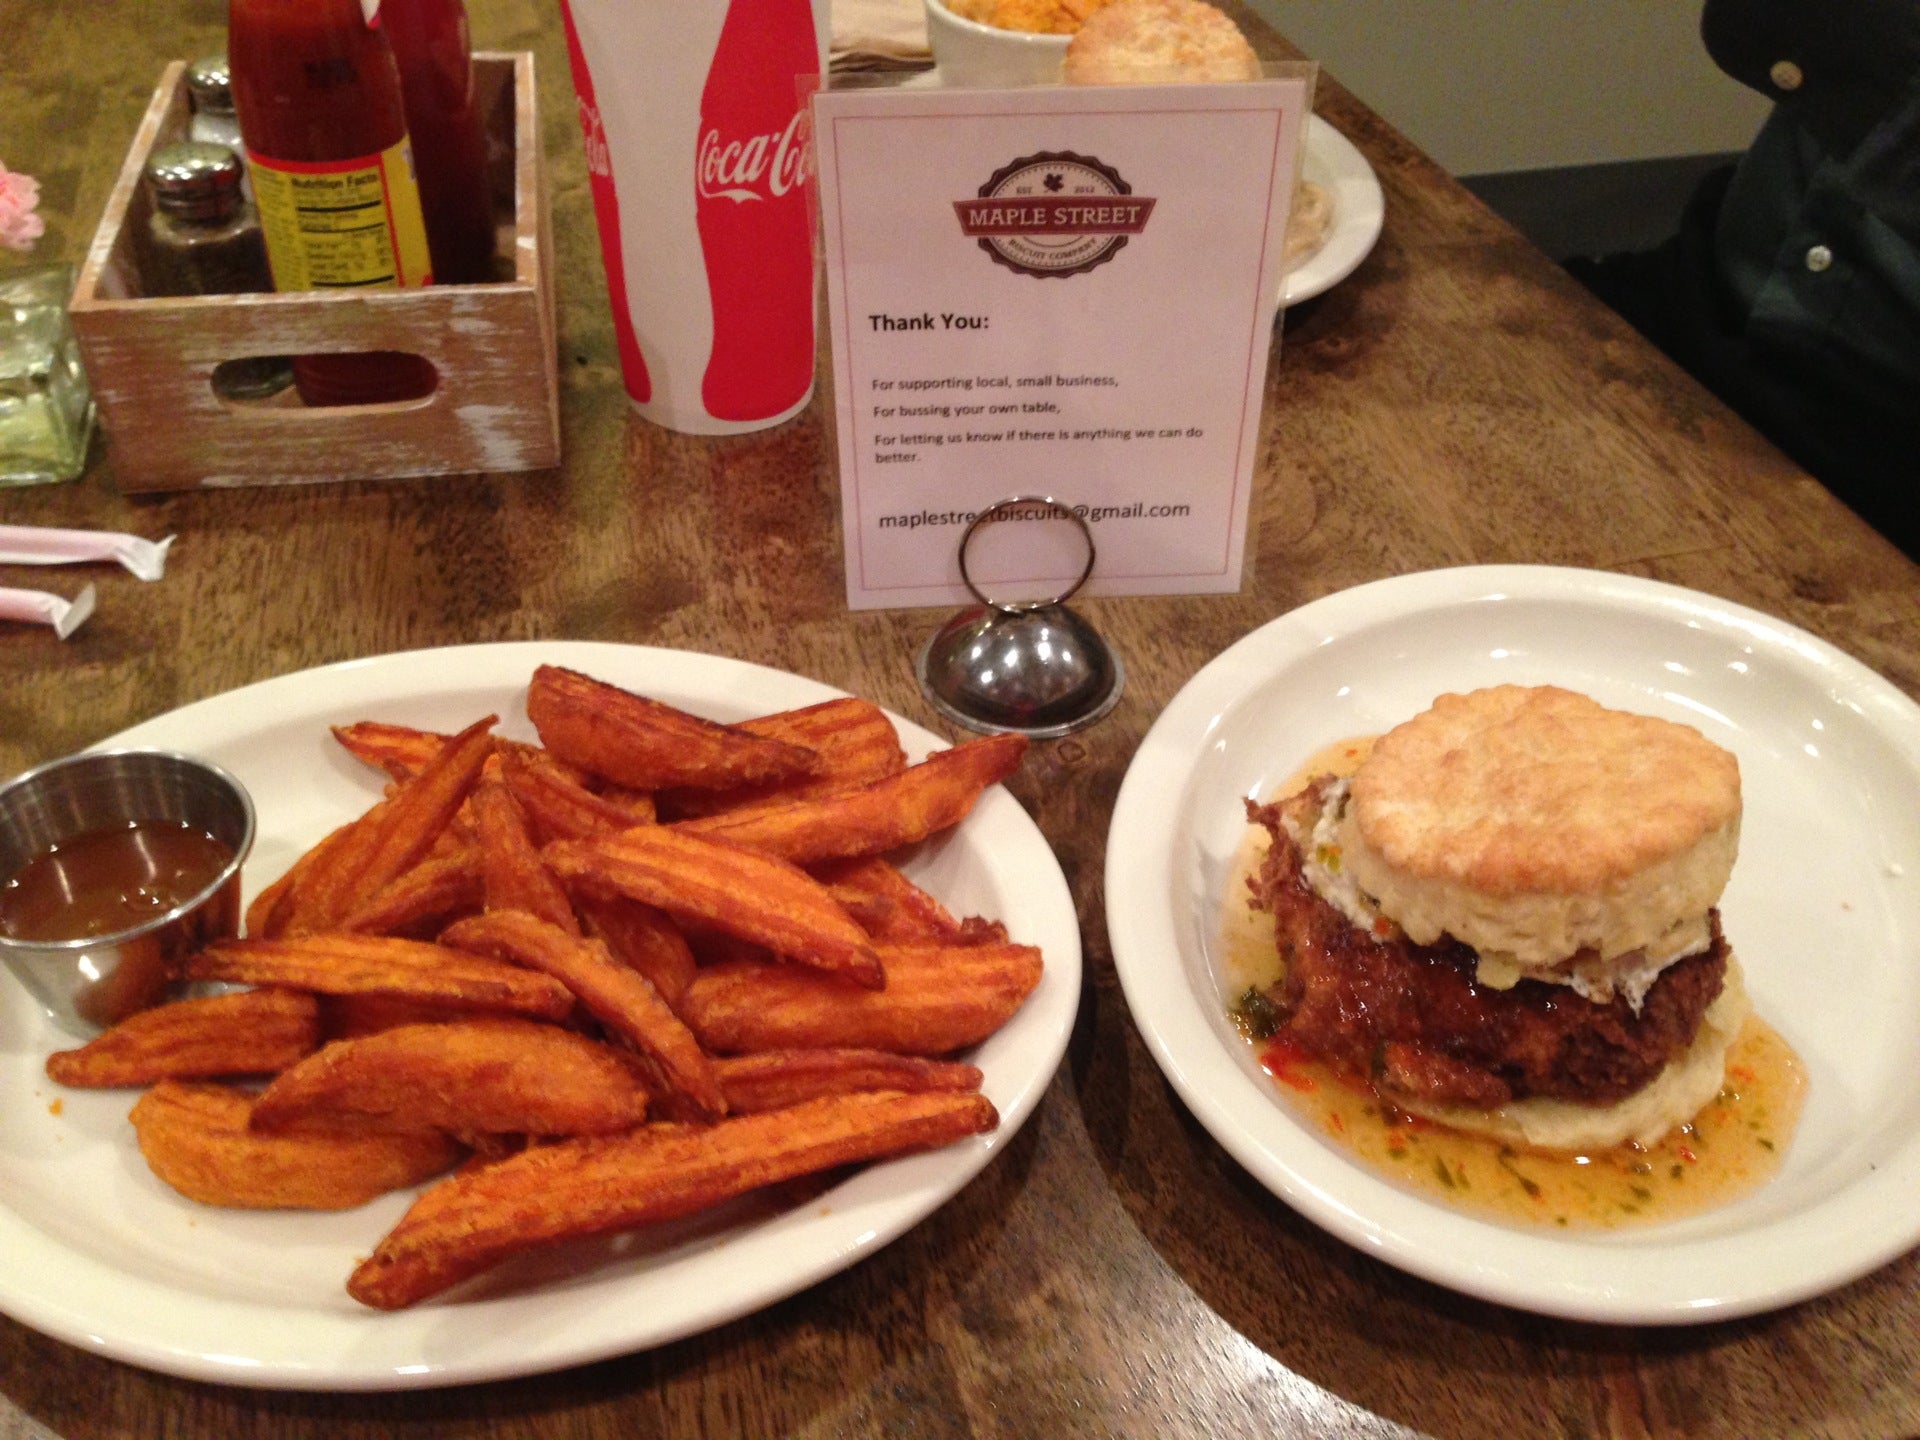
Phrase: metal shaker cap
[211,85]
[194,180]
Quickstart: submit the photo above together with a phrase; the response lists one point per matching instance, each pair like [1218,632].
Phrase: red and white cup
[699,153]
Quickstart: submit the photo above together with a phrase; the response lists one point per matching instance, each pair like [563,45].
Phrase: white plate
[1359,210]
[102,1255]
[1824,910]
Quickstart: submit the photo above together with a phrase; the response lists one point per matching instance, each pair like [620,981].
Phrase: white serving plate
[100,1254]
[1823,909]
[1359,210]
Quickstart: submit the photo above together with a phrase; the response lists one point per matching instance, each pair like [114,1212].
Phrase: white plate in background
[1359,210]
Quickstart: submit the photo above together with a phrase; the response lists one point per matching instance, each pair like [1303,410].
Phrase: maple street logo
[1054,214]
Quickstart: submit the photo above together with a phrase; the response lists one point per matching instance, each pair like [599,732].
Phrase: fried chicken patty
[1413,1018]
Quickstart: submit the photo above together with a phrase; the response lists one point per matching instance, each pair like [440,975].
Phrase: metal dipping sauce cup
[87,984]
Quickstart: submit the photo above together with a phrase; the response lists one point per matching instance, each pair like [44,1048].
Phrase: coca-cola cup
[699,154]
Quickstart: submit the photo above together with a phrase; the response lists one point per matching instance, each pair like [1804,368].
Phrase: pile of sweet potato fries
[621,976]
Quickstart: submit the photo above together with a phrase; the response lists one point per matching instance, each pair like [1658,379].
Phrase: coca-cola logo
[764,167]
[594,131]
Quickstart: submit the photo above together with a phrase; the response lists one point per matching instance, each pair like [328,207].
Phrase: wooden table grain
[1114,1272]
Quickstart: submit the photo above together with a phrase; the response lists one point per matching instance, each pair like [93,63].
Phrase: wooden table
[1458,401]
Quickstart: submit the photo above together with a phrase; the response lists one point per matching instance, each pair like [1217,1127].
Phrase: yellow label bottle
[318,96]
[352,223]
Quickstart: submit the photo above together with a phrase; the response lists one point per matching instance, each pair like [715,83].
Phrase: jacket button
[1819,258]
[1786,75]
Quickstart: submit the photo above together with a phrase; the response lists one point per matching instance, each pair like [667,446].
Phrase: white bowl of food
[971,51]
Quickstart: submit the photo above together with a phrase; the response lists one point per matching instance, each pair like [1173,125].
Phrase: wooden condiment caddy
[150,359]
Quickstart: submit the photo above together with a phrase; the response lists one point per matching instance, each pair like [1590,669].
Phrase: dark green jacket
[1792,289]
[1818,236]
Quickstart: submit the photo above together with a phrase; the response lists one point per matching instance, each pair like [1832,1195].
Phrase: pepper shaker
[203,238]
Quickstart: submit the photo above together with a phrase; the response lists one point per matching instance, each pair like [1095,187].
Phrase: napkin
[879,34]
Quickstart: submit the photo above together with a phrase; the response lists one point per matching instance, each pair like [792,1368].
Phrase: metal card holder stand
[1032,667]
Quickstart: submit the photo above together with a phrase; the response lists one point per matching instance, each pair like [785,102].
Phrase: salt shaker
[211,90]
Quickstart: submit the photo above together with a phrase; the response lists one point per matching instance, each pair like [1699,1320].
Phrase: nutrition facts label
[345,224]
[1067,292]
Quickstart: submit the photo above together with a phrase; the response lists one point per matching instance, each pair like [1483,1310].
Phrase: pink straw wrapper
[37,607]
[41,545]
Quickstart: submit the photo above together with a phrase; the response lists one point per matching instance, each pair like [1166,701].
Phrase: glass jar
[46,409]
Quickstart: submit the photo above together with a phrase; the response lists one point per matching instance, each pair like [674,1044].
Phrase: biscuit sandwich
[1507,918]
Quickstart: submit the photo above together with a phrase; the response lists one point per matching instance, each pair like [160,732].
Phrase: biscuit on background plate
[1136,41]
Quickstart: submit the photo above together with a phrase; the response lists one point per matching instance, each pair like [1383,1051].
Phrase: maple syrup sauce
[108,881]
[1733,1146]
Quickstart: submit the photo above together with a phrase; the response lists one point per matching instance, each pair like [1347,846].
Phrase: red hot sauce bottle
[431,43]
[318,97]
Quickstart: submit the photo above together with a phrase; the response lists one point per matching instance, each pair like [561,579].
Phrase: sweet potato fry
[500,1077]
[714,947]
[404,752]
[271,911]
[937,999]
[325,877]
[400,750]
[638,804]
[642,938]
[516,877]
[267,911]
[383,965]
[439,888]
[854,740]
[392,837]
[885,815]
[589,1187]
[756,897]
[779,1079]
[249,1032]
[558,808]
[195,1138]
[890,907]
[344,1016]
[622,1000]
[631,740]
[838,729]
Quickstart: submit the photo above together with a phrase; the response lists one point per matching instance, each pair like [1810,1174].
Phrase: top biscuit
[1526,791]
[1136,41]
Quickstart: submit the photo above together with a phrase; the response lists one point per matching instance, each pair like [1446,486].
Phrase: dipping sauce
[109,881]
[1732,1147]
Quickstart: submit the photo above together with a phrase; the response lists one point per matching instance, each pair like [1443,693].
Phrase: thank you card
[1059,291]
